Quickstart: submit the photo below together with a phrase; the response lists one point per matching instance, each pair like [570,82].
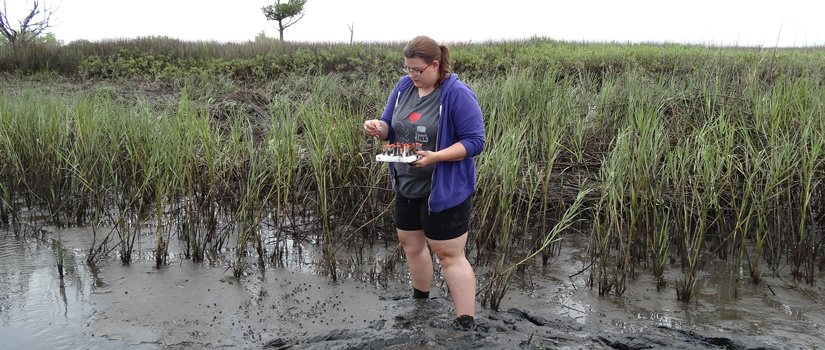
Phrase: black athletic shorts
[414,214]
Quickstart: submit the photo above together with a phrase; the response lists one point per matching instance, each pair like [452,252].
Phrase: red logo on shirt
[414,117]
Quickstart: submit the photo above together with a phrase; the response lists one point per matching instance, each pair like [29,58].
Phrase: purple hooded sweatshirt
[461,121]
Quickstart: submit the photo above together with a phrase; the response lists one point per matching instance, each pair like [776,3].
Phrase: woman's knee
[412,241]
[448,250]
[449,257]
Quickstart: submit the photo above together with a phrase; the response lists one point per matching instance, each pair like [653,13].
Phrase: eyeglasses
[414,72]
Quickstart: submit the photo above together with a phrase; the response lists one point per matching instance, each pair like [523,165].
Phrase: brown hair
[428,50]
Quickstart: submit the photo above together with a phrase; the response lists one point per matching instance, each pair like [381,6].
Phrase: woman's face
[429,72]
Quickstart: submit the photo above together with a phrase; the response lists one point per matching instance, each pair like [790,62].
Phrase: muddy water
[200,305]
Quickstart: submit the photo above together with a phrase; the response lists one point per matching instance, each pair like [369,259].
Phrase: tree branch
[292,21]
[30,27]
[7,31]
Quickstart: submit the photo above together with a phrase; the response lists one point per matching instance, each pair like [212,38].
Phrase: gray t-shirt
[415,120]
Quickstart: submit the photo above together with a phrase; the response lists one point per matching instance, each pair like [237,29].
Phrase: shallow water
[200,305]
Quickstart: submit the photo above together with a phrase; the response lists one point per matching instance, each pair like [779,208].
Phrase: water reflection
[38,309]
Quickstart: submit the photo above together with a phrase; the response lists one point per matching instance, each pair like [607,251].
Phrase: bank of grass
[667,155]
[163,58]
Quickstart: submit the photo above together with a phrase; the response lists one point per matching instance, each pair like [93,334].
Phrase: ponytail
[443,65]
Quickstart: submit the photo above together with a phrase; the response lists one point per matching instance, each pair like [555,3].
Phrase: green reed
[632,191]
[516,202]
[256,191]
[502,161]
[320,147]
[333,142]
[811,160]
[506,159]
[282,148]
[169,158]
[10,164]
[93,166]
[693,216]
[204,181]
[551,141]
[608,222]
[38,134]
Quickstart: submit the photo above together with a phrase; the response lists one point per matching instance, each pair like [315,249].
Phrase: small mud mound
[431,324]
[347,339]
[669,338]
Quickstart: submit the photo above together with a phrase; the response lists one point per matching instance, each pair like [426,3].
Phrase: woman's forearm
[453,153]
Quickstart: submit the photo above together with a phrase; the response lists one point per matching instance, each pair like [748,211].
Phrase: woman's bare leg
[418,258]
[458,272]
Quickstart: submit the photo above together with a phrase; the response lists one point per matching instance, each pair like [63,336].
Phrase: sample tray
[397,159]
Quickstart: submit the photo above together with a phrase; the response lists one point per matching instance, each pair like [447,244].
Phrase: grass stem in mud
[318,145]
[60,256]
[497,287]
[255,196]
[282,149]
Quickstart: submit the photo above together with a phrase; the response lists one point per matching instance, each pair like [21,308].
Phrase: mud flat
[200,305]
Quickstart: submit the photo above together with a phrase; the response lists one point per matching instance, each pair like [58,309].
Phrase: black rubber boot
[466,322]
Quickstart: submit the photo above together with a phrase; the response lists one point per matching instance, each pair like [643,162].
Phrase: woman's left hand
[427,158]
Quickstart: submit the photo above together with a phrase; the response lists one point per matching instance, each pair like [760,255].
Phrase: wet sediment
[186,305]
[429,324]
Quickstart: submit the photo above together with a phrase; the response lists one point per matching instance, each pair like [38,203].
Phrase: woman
[431,107]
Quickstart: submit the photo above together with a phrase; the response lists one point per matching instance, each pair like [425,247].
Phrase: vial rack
[399,153]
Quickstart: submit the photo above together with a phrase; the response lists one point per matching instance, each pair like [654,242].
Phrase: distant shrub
[161,58]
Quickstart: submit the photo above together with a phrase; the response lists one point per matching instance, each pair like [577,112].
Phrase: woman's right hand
[373,127]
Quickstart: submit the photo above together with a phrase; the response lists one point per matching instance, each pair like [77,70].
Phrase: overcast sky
[716,22]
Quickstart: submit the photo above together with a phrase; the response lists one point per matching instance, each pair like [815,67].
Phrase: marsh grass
[282,149]
[257,189]
[669,155]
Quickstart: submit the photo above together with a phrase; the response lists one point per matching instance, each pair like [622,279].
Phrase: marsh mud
[295,305]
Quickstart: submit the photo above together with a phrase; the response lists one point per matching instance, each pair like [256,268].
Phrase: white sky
[718,22]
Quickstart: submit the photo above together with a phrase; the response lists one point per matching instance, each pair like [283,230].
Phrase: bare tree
[286,14]
[32,26]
